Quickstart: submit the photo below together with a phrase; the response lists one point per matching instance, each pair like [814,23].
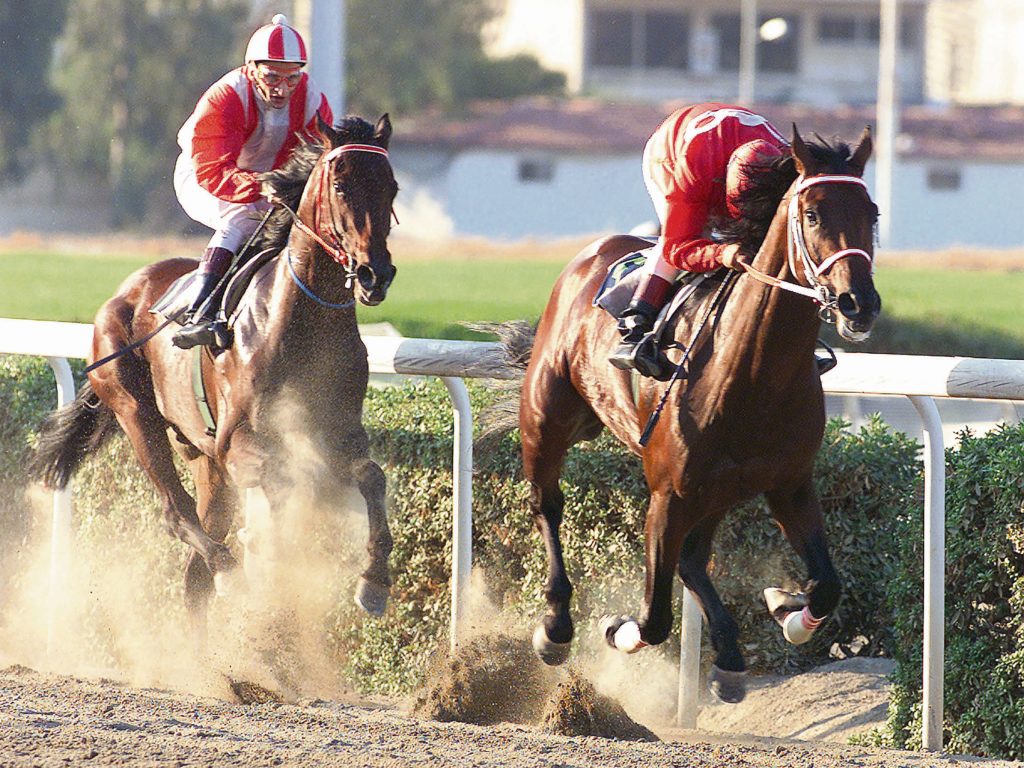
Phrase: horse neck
[773,319]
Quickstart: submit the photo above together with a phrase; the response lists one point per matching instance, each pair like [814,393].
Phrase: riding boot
[639,349]
[203,328]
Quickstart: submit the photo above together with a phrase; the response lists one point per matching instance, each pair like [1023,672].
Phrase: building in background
[820,52]
[549,168]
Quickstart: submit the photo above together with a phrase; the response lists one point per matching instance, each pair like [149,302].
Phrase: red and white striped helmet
[276,41]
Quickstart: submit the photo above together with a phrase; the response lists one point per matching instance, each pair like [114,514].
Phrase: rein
[337,250]
[797,246]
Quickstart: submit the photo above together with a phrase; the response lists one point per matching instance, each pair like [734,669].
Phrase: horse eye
[339,189]
[812,217]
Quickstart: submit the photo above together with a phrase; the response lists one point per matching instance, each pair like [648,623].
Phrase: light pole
[888,116]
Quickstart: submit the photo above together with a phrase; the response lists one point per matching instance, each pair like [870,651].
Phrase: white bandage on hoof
[798,626]
[627,637]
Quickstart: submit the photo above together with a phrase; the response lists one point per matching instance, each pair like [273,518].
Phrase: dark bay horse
[748,418]
[295,342]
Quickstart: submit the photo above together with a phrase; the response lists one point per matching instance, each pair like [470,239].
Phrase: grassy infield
[438,286]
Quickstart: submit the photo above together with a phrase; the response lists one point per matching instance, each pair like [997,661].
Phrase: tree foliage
[129,73]
[409,54]
[27,31]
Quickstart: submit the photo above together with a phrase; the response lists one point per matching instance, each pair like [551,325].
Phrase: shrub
[860,481]
[984,677]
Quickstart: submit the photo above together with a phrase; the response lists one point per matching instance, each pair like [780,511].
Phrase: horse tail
[516,338]
[68,435]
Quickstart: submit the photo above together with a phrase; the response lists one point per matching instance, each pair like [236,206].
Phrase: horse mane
[769,183]
[290,179]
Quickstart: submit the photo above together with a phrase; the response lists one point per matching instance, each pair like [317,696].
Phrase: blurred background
[525,118]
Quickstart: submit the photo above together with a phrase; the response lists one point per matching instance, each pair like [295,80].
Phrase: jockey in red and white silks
[694,165]
[247,122]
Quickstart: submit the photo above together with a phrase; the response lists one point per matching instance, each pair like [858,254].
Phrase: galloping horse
[749,417]
[295,342]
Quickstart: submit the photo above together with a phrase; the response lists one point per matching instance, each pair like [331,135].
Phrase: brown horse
[748,417]
[295,342]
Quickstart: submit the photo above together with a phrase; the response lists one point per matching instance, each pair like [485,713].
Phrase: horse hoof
[230,583]
[622,633]
[729,687]
[551,653]
[780,602]
[372,597]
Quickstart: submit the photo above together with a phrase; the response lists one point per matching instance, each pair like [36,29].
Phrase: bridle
[799,256]
[334,249]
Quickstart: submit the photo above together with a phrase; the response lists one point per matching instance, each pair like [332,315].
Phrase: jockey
[246,123]
[695,166]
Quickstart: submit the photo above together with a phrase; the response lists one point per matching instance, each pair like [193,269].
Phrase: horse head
[354,199]
[831,221]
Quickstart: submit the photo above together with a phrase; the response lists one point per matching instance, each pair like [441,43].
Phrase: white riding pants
[656,264]
[232,223]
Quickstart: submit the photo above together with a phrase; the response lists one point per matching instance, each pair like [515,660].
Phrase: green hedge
[870,484]
[984,680]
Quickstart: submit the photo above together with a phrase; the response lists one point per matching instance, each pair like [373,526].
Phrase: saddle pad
[620,283]
[177,298]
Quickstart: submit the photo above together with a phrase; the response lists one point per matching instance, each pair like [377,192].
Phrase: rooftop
[602,127]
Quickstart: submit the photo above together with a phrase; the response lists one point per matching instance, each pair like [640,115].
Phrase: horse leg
[216,506]
[552,417]
[128,390]
[727,678]
[375,583]
[663,536]
[798,513]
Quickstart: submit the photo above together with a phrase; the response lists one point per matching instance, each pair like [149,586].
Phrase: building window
[944,179]
[863,30]
[611,39]
[536,170]
[639,39]
[781,54]
[666,40]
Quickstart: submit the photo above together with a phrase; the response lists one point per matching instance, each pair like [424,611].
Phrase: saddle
[623,277]
[178,297]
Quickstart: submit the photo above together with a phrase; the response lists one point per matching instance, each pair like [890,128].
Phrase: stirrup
[644,357]
[825,362]
[203,332]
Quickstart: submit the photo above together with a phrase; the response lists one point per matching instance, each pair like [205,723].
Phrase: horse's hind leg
[126,387]
[217,504]
[798,512]
[552,417]
[375,583]
[727,679]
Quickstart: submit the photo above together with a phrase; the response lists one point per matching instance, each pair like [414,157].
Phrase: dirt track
[50,720]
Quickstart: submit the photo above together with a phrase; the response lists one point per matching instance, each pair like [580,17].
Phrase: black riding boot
[638,349]
[202,327]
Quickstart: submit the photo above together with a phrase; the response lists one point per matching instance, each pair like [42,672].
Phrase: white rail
[918,377]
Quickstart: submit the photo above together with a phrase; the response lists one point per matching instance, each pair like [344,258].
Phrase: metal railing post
[462,505]
[60,528]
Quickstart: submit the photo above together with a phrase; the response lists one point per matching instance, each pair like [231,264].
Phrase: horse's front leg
[375,583]
[727,678]
[798,513]
[663,535]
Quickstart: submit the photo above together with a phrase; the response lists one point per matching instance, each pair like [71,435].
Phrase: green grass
[946,312]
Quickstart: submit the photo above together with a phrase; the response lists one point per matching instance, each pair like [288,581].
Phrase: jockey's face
[276,81]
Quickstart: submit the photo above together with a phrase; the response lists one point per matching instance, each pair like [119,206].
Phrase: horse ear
[327,133]
[382,131]
[802,155]
[859,158]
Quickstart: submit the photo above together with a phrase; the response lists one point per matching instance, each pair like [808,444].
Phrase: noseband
[336,250]
[797,248]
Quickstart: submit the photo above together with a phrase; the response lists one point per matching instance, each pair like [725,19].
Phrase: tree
[130,72]
[27,32]
[408,54]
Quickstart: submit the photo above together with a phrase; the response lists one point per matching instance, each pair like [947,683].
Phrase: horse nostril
[848,305]
[366,276]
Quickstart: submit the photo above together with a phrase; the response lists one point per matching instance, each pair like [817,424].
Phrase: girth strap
[199,391]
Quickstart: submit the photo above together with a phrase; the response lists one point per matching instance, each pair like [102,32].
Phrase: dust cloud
[117,608]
